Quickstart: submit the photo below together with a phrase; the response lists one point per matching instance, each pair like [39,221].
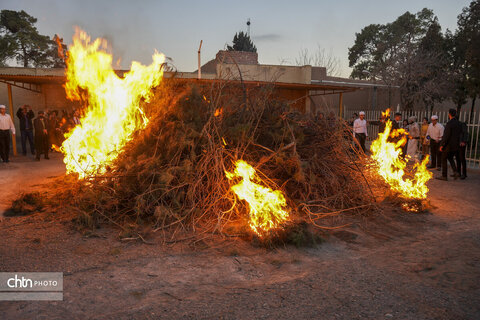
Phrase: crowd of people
[443,143]
[44,132]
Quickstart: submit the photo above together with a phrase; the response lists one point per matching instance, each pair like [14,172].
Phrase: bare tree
[320,58]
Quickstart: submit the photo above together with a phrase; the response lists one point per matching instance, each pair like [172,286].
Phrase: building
[306,88]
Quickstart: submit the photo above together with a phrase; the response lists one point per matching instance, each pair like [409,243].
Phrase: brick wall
[55,97]
[240,57]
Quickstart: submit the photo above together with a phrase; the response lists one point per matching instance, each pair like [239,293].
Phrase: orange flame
[59,41]
[218,112]
[267,207]
[391,167]
[113,113]
[56,148]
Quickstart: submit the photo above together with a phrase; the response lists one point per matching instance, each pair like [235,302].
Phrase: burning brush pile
[407,180]
[216,158]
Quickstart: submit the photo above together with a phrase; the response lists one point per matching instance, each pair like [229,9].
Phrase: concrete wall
[298,99]
[362,99]
[55,97]
[230,57]
[268,73]
[319,73]
[20,96]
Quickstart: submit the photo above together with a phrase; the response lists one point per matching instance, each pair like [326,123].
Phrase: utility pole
[199,61]
[10,107]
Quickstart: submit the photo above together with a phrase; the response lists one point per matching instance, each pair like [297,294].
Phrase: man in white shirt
[6,125]
[360,129]
[434,135]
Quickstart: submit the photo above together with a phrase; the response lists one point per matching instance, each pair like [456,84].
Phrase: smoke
[268,37]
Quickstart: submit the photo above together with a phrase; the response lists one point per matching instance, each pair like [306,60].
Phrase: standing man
[434,135]
[332,122]
[413,137]
[320,118]
[397,121]
[25,115]
[423,137]
[405,127]
[461,160]
[382,124]
[396,124]
[6,125]
[41,135]
[53,130]
[450,144]
[360,130]
[352,119]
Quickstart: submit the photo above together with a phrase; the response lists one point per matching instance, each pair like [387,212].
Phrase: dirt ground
[391,265]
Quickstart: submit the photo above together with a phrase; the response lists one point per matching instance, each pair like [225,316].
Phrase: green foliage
[20,40]
[455,50]
[468,48]
[390,53]
[412,53]
[242,42]
[432,77]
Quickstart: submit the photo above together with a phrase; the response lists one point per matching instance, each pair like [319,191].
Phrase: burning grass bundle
[174,174]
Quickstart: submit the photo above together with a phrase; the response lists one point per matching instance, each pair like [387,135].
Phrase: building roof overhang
[33,78]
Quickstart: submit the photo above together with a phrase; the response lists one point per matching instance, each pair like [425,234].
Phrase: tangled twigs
[171,175]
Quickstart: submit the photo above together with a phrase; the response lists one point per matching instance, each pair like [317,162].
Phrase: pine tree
[20,40]
[242,42]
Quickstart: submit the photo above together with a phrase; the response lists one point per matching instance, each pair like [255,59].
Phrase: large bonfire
[210,157]
[113,112]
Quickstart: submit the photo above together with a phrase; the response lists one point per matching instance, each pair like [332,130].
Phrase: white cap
[2,106]
[434,117]
[361,113]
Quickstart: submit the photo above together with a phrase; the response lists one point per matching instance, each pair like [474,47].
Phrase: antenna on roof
[248,27]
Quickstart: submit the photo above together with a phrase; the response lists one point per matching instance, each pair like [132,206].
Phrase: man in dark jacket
[397,121]
[25,115]
[53,131]
[41,135]
[461,160]
[450,144]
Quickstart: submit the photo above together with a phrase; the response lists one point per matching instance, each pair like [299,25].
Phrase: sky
[280,29]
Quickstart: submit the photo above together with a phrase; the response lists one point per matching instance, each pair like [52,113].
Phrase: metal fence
[473,125]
